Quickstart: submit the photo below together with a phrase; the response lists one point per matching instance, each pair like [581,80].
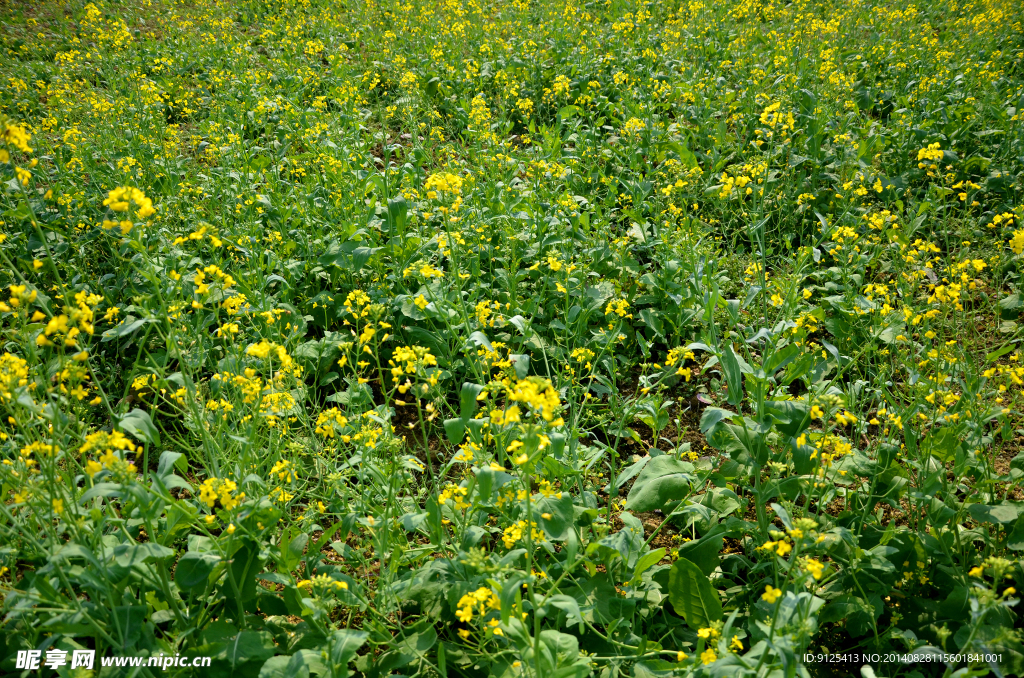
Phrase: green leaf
[559,515]
[171,460]
[647,560]
[692,595]
[521,363]
[999,353]
[480,339]
[396,215]
[510,594]
[100,490]
[130,620]
[342,649]
[244,566]
[293,553]
[455,430]
[662,480]
[138,423]
[840,608]
[193,569]
[942,444]
[745,445]
[569,605]
[1000,514]
[567,112]
[127,555]
[128,326]
[791,416]
[467,400]
[733,368]
[703,552]
[348,256]
[293,601]
[250,646]
[1016,539]
[259,162]
[442,662]
[1009,307]
[302,663]
[653,322]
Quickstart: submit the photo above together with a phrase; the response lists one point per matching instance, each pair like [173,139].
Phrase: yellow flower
[771,594]
[220,489]
[1017,241]
[708,656]
[845,418]
[119,200]
[448,183]
[814,567]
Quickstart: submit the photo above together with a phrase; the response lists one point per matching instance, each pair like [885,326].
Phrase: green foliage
[512,339]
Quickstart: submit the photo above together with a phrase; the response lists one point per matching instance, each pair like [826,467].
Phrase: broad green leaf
[342,646]
[942,444]
[646,561]
[170,461]
[703,552]
[250,646]
[1001,514]
[245,565]
[1016,539]
[842,607]
[293,553]
[745,445]
[128,326]
[468,401]
[791,416]
[480,339]
[663,479]
[349,256]
[521,363]
[127,555]
[568,112]
[999,353]
[455,429]
[555,515]
[302,663]
[692,595]
[193,569]
[567,604]
[138,423]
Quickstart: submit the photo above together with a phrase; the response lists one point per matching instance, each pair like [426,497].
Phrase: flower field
[513,338]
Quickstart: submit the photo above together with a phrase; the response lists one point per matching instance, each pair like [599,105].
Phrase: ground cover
[513,338]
